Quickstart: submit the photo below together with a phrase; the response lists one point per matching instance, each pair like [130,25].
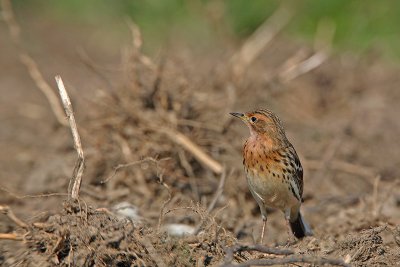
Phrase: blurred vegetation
[360,24]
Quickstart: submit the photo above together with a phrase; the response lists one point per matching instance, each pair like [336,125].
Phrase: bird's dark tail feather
[300,228]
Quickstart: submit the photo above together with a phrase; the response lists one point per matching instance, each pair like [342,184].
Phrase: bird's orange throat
[261,141]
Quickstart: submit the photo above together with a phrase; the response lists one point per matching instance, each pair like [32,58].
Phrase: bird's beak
[238,115]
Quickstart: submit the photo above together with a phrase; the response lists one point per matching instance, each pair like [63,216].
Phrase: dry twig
[323,44]
[30,64]
[196,151]
[165,203]
[319,261]
[303,67]
[343,166]
[214,201]
[259,40]
[375,205]
[137,42]
[130,164]
[260,248]
[289,257]
[11,236]
[189,170]
[378,204]
[76,179]
[219,191]
[15,195]
[327,157]
[8,212]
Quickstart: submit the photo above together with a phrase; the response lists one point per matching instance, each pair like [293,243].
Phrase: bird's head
[264,122]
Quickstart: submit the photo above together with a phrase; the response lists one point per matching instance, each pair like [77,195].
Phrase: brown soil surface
[343,119]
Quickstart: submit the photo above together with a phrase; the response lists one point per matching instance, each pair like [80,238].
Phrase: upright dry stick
[76,179]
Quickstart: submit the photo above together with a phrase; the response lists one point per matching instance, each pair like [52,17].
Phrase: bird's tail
[300,227]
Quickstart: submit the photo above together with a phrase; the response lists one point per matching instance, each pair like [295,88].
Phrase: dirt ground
[342,118]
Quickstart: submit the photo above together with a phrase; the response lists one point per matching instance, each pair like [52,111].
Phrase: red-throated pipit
[273,169]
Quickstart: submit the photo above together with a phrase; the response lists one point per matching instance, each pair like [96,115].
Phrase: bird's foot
[290,242]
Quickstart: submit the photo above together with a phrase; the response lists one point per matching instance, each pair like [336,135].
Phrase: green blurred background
[361,25]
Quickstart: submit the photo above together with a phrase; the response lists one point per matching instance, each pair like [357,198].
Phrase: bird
[273,170]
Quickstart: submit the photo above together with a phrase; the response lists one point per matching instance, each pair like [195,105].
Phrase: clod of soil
[83,236]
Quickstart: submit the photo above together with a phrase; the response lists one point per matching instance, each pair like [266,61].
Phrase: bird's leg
[288,232]
[263,229]
[288,228]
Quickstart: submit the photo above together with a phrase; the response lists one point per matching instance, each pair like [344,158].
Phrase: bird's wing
[298,169]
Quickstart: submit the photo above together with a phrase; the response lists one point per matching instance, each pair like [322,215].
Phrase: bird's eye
[253,119]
